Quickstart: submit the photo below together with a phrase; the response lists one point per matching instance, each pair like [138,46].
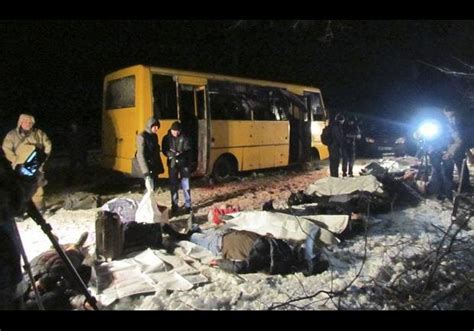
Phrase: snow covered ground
[393,241]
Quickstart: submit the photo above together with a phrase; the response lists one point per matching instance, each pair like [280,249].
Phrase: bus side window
[120,93]
[261,108]
[226,106]
[279,108]
[241,110]
[316,107]
[164,97]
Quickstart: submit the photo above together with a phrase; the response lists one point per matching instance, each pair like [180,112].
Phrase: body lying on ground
[242,251]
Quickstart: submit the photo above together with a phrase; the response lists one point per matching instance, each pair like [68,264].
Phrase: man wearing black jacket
[177,149]
[337,144]
[351,134]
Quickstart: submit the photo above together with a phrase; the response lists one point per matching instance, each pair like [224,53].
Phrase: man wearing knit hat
[176,147]
[148,153]
[18,145]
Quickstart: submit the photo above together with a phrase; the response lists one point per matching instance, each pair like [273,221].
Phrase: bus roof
[171,71]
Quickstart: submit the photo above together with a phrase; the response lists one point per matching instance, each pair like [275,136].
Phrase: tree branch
[448,71]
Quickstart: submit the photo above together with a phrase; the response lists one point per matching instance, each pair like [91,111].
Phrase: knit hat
[176,126]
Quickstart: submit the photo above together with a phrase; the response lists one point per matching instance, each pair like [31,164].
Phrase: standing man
[337,144]
[148,154]
[351,134]
[18,145]
[177,148]
[456,150]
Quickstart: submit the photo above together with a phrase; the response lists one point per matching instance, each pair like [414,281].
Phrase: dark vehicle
[382,137]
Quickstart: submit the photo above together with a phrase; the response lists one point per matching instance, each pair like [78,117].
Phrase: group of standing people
[447,151]
[177,149]
[342,144]
[20,142]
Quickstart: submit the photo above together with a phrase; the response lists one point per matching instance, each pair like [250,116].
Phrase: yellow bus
[234,124]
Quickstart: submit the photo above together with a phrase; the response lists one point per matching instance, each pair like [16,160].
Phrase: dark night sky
[54,69]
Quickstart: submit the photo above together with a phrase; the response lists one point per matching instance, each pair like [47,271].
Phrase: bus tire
[224,169]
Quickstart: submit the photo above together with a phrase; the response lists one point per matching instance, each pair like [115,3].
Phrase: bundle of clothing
[57,288]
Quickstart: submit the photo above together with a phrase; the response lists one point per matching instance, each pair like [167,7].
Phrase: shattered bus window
[314,104]
[120,93]
[228,101]
[228,107]
[279,105]
[258,100]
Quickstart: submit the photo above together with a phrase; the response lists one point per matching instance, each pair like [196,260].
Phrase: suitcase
[109,235]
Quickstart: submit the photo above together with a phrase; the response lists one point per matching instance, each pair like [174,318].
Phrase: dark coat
[337,136]
[14,193]
[148,152]
[270,255]
[351,133]
[177,151]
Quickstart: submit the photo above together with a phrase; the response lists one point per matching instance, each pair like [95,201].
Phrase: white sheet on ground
[399,164]
[347,185]
[145,272]
[171,281]
[333,223]
[281,226]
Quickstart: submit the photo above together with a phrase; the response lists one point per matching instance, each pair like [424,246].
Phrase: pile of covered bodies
[382,186]
[333,206]
[185,265]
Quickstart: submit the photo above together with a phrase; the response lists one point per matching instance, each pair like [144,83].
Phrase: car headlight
[400,141]
[369,140]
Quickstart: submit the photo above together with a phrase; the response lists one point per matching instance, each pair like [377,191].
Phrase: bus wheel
[224,169]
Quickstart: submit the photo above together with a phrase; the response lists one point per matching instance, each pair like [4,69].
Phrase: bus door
[318,122]
[300,129]
[194,119]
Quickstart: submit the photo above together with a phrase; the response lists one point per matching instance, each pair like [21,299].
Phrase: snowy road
[393,241]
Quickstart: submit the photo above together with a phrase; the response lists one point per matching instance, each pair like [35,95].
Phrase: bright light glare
[429,130]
